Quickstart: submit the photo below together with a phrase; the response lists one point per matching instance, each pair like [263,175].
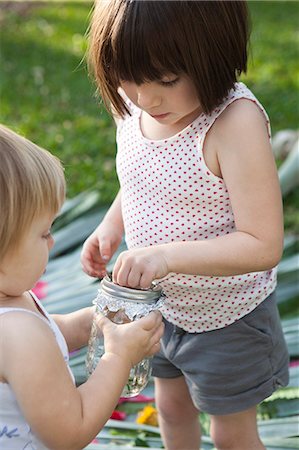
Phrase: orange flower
[148,416]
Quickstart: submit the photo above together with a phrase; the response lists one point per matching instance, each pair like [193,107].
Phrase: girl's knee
[224,439]
[235,441]
[176,410]
[173,401]
[235,431]
[232,439]
[178,417]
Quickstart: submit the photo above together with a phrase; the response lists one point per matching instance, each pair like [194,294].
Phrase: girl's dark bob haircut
[142,41]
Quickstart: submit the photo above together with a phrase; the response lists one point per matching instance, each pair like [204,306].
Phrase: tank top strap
[4,310]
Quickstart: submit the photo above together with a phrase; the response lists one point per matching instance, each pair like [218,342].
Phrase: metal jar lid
[150,295]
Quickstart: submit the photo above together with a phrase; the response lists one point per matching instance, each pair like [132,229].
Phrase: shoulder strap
[11,309]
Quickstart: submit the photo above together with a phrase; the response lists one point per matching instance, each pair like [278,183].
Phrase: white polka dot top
[169,194]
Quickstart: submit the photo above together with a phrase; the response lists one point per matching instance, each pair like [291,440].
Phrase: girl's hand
[133,341]
[98,249]
[137,268]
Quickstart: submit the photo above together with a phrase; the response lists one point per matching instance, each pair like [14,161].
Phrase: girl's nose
[147,96]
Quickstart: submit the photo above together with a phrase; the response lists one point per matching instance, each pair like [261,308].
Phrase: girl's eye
[47,236]
[169,83]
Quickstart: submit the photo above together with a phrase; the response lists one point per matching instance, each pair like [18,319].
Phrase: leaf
[289,171]
[280,428]
[73,208]
[74,234]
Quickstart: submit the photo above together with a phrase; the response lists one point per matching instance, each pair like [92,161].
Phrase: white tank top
[15,432]
[169,194]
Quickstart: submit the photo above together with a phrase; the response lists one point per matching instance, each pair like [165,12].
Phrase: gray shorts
[230,369]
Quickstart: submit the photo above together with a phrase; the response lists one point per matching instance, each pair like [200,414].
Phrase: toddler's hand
[98,249]
[137,268]
[133,341]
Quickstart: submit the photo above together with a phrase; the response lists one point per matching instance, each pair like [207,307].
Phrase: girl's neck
[155,130]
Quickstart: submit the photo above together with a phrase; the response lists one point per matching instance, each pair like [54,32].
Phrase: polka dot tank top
[168,195]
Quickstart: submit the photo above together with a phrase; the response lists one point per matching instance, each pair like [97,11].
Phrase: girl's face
[20,270]
[170,101]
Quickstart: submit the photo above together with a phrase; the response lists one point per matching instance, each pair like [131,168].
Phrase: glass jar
[123,305]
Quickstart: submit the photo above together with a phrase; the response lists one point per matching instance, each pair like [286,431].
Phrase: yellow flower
[148,416]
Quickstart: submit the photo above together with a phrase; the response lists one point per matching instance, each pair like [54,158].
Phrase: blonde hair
[31,183]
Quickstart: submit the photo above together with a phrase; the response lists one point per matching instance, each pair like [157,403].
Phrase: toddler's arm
[62,416]
[75,327]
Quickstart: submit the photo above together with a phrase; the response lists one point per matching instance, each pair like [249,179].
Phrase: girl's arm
[248,168]
[114,214]
[75,327]
[103,242]
[62,416]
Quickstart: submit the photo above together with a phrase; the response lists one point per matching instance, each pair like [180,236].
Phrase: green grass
[47,96]
[273,72]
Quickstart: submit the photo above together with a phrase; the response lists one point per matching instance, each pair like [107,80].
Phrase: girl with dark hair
[200,207]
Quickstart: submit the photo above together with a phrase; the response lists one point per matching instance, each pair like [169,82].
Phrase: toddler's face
[25,266]
[170,101]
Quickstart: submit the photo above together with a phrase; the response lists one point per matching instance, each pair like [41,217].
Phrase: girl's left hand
[137,268]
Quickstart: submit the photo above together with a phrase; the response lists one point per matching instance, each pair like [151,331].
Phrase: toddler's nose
[50,242]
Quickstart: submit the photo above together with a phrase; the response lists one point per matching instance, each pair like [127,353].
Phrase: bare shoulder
[20,329]
[22,334]
[241,119]
[240,129]
[20,323]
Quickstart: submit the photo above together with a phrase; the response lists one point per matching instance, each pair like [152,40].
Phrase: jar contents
[123,305]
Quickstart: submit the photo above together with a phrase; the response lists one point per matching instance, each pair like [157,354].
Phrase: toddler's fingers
[102,321]
[155,349]
[152,320]
[160,331]
[157,335]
